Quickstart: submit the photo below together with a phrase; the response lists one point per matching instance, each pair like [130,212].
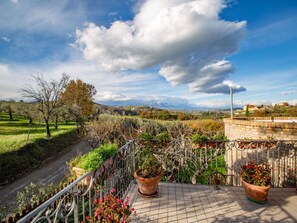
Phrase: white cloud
[6,39]
[219,104]
[185,38]
[110,96]
[113,98]
[4,70]
[289,92]
[36,16]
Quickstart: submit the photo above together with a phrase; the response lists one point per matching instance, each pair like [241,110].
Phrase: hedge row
[33,155]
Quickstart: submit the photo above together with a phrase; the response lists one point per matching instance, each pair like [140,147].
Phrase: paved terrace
[185,203]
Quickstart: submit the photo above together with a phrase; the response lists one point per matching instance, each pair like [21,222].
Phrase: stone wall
[252,129]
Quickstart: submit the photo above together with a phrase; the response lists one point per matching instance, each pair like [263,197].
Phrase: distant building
[252,107]
[281,104]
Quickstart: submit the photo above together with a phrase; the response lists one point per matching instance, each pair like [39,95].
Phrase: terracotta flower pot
[255,193]
[79,172]
[147,187]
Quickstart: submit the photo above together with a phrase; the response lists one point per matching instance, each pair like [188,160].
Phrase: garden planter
[147,187]
[256,194]
[79,172]
[198,145]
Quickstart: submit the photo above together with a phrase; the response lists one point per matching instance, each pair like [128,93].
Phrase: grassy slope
[18,157]
[14,133]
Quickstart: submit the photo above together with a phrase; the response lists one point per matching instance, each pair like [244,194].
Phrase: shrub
[162,137]
[219,136]
[95,158]
[197,138]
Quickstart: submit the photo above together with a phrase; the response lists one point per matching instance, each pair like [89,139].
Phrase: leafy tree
[164,115]
[8,107]
[47,94]
[27,110]
[143,114]
[79,96]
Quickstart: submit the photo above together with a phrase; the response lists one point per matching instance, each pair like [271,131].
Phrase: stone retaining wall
[252,129]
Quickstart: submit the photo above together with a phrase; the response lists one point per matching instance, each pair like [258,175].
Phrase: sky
[181,53]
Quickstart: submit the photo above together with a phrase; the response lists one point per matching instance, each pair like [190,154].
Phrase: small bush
[197,138]
[95,158]
[219,136]
[162,137]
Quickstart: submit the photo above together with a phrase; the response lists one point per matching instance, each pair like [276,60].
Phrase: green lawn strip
[18,157]
[14,133]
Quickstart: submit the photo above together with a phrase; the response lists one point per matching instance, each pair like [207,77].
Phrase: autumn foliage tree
[79,97]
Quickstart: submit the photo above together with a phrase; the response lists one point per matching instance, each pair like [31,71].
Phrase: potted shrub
[199,140]
[150,170]
[92,160]
[256,179]
[111,209]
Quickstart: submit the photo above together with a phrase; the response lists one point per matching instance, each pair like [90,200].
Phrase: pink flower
[112,190]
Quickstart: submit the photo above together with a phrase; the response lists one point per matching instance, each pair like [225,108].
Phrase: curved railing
[74,203]
[212,162]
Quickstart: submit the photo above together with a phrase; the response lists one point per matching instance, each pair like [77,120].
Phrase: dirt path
[52,172]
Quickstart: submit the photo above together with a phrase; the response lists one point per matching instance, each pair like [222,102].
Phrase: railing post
[75,210]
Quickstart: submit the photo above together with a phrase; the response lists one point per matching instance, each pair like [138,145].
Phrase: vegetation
[206,126]
[78,96]
[149,164]
[47,94]
[95,158]
[110,208]
[18,132]
[270,111]
[258,174]
[197,138]
[24,147]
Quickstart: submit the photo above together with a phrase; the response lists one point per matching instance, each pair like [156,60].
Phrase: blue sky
[181,52]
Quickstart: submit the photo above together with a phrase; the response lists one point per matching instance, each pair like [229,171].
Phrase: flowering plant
[111,209]
[256,173]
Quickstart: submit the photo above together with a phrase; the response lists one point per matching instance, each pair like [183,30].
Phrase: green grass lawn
[14,133]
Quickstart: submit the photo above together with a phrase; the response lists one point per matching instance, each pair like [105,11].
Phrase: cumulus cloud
[186,39]
[289,92]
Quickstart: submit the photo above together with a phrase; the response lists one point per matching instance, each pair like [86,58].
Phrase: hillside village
[275,109]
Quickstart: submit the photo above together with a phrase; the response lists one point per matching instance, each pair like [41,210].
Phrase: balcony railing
[214,162]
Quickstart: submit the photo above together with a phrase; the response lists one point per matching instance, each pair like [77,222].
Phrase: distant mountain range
[163,105]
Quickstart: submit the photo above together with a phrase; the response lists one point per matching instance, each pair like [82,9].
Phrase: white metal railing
[212,162]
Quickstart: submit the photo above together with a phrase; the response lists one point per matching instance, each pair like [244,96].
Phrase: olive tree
[47,95]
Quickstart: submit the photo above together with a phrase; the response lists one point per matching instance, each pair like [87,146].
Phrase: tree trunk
[48,132]
[30,120]
[10,115]
[56,122]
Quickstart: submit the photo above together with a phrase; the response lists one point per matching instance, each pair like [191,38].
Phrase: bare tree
[47,94]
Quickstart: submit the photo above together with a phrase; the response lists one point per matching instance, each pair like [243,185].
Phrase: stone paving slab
[185,203]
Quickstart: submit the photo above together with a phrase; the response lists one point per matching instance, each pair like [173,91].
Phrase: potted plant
[199,140]
[110,208]
[256,179]
[92,160]
[150,170]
